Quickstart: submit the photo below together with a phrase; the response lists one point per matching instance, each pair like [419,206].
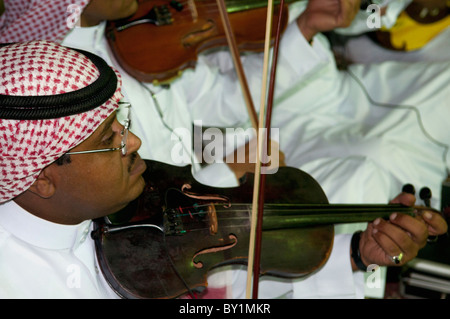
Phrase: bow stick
[265,116]
[264,138]
[237,63]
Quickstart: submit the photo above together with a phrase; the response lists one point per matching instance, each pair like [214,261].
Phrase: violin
[163,244]
[175,32]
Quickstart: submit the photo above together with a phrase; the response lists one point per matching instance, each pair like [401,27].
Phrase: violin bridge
[181,220]
[213,224]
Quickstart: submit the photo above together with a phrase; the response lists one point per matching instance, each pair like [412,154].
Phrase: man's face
[99,184]
[101,10]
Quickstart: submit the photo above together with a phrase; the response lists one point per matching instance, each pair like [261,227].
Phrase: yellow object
[408,34]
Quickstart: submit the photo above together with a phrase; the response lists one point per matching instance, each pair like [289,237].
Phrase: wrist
[355,253]
[307,32]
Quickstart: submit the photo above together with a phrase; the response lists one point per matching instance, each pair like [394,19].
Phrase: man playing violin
[333,125]
[67,160]
[183,98]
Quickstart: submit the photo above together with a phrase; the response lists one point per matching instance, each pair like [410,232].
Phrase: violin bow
[263,126]
[237,63]
[264,137]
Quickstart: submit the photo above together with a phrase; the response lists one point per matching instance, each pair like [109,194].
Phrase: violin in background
[164,37]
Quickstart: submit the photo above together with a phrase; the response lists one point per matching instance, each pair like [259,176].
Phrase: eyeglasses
[123,133]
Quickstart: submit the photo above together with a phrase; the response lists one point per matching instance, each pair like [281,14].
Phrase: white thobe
[41,259]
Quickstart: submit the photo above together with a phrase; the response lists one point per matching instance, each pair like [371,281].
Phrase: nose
[133,143]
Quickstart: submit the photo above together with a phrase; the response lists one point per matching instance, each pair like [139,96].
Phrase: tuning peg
[425,195]
[409,188]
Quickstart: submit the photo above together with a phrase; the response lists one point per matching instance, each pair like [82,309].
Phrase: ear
[44,186]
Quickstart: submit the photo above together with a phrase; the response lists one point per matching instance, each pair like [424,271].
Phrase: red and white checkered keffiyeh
[28,146]
[27,20]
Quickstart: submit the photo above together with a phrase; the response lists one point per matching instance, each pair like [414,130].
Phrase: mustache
[133,158]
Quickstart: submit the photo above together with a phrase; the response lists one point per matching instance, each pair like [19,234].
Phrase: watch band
[356,254]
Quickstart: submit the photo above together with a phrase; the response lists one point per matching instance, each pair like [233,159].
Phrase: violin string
[210,6]
[224,214]
[229,3]
[189,230]
[284,208]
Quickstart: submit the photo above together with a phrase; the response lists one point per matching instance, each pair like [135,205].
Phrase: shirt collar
[39,232]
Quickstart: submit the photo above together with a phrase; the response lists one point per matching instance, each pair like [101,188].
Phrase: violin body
[175,33]
[164,243]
